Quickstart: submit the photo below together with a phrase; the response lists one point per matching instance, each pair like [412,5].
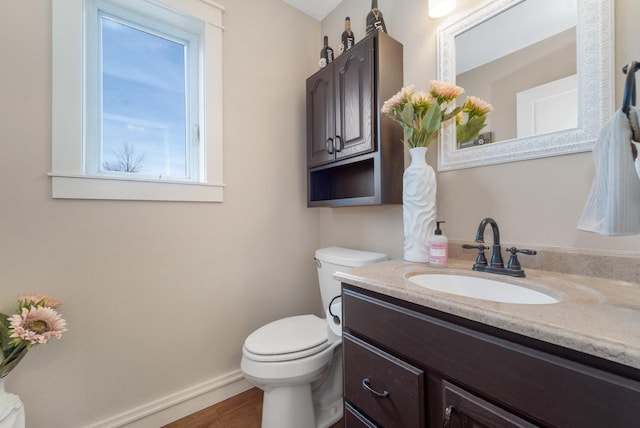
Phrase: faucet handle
[481,260]
[479,247]
[514,263]
[515,250]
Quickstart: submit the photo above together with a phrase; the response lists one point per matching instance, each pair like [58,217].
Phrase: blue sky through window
[144,99]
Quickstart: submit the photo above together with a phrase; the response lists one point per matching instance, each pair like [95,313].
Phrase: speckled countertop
[596,316]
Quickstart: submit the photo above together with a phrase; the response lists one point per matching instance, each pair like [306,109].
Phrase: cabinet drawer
[387,390]
[355,419]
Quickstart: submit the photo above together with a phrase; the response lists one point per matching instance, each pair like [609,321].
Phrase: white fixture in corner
[297,361]
[440,8]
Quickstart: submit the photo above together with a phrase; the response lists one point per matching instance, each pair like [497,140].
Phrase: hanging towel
[634,118]
[613,204]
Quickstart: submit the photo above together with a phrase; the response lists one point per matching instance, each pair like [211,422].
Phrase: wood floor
[241,411]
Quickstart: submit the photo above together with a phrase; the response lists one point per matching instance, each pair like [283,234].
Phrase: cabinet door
[354,101]
[320,118]
[461,409]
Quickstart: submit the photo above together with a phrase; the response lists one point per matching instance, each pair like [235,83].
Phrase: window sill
[69,186]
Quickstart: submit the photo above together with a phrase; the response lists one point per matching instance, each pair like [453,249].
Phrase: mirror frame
[594,64]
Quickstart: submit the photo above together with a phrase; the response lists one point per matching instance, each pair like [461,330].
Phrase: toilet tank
[333,259]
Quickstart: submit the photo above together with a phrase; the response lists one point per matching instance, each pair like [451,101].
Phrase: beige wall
[158,296]
[536,202]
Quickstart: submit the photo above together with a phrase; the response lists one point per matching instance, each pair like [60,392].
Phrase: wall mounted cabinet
[355,154]
[427,368]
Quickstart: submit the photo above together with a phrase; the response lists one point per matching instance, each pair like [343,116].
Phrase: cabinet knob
[367,387]
[329,146]
[447,416]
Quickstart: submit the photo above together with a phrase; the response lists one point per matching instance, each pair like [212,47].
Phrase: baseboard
[175,406]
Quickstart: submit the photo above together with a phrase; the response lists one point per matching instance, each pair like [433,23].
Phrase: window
[137,100]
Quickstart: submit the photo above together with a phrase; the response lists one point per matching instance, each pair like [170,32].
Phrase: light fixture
[440,8]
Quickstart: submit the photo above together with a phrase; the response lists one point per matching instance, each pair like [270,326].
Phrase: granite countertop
[596,316]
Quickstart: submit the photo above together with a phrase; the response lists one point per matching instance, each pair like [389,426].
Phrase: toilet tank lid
[348,257]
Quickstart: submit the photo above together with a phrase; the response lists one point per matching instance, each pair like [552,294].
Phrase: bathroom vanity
[414,357]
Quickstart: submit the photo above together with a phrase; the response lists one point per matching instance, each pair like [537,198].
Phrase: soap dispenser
[438,248]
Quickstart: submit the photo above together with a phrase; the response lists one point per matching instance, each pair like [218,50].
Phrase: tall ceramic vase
[418,206]
[11,409]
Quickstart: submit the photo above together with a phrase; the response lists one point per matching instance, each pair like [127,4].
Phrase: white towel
[634,118]
[613,204]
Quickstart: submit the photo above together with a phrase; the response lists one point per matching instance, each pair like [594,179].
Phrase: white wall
[158,296]
[536,202]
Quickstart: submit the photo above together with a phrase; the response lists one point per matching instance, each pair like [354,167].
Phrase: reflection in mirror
[544,65]
[528,75]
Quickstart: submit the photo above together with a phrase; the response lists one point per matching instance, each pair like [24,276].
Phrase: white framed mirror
[587,100]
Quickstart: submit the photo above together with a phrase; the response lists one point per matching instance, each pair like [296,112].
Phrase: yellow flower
[477,106]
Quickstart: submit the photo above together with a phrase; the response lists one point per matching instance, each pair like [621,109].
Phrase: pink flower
[444,91]
[37,325]
[398,99]
[32,299]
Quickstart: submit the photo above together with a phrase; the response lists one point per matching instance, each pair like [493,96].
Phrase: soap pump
[438,248]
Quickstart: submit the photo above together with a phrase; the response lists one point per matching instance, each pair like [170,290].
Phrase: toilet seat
[287,339]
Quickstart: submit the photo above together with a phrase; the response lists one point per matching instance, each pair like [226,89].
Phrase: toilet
[297,361]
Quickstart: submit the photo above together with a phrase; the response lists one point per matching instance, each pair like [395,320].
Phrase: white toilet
[297,361]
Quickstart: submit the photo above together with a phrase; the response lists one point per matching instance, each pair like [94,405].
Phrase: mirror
[550,85]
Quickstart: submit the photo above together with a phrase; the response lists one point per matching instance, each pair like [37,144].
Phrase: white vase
[418,206]
[11,409]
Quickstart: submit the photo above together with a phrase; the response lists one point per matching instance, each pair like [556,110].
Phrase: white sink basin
[483,289]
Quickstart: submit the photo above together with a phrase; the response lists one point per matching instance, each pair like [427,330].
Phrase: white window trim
[69,178]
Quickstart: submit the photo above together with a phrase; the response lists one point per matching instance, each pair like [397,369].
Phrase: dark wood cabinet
[467,374]
[340,107]
[354,153]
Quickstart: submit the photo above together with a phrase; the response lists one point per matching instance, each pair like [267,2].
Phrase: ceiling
[317,9]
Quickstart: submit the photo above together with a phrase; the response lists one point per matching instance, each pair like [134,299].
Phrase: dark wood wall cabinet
[409,366]
[355,155]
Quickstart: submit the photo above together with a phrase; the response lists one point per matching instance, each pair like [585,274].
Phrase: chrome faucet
[497,263]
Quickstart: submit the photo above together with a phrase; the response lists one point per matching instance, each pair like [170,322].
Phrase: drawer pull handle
[365,385]
[447,416]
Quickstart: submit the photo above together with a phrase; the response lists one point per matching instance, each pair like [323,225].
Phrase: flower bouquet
[34,322]
[421,114]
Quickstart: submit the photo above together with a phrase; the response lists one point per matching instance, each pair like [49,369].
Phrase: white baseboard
[175,406]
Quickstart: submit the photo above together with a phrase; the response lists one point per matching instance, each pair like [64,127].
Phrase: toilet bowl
[297,361]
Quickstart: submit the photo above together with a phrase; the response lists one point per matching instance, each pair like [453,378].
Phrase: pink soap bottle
[438,248]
